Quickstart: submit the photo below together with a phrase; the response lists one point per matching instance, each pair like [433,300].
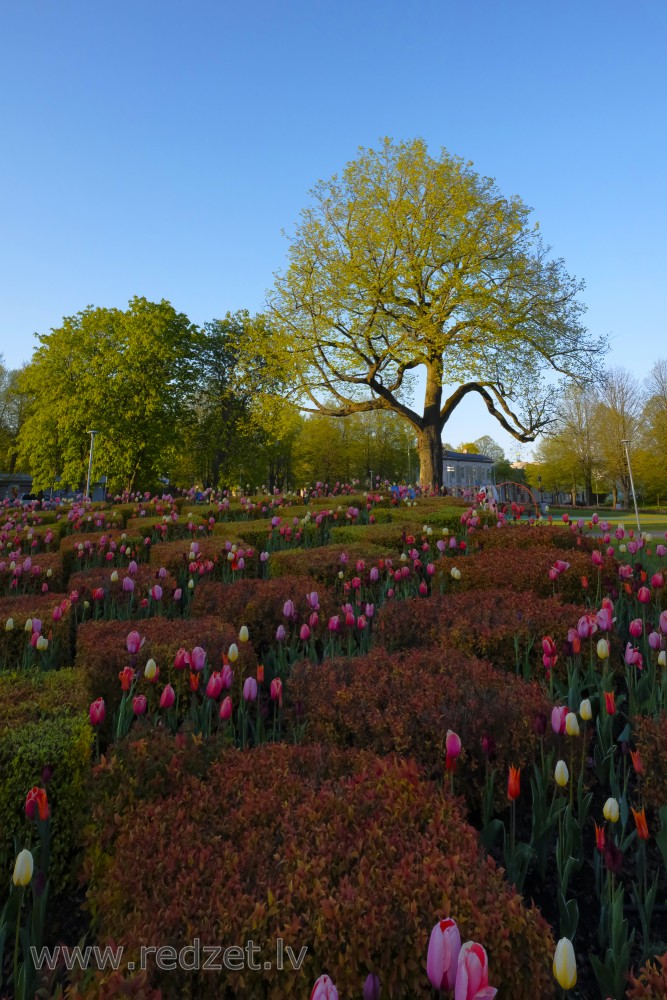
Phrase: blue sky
[159,147]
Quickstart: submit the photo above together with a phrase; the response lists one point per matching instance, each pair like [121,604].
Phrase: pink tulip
[586,626]
[197,659]
[277,691]
[214,686]
[128,585]
[663,622]
[472,977]
[134,643]
[324,989]
[156,592]
[453,748]
[132,568]
[558,715]
[97,712]
[655,640]
[372,987]
[313,601]
[644,595]
[597,558]
[226,676]
[226,709]
[289,611]
[250,689]
[549,646]
[636,628]
[443,955]
[139,704]
[661,551]
[182,659]
[168,697]
[304,633]
[280,633]
[657,581]
[604,619]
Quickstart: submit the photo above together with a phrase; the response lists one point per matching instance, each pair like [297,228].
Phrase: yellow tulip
[562,775]
[233,653]
[610,811]
[603,649]
[585,710]
[565,964]
[243,633]
[150,670]
[23,868]
[571,724]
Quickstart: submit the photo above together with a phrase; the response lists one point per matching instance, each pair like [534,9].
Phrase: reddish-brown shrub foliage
[346,854]
[651,982]
[527,536]
[523,569]
[483,624]
[322,564]
[85,581]
[259,603]
[102,652]
[651,734]
[405,703]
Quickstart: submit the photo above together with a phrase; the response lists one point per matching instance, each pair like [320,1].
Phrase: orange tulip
[260,674]
[514,783]
[637,762]
[37,802]
[640,823]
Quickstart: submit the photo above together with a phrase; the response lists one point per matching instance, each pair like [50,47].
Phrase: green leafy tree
[126,374]
[487,446]
[409,261]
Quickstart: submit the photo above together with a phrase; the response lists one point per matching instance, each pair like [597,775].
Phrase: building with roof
[463,470]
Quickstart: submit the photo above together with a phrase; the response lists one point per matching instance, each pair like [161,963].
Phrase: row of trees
[584,453]
[406,263]
[177,403]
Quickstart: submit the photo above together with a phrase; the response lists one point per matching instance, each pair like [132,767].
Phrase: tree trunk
[429,446]
[429,437]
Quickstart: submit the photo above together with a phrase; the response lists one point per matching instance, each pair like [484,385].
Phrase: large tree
[407,262]
[127,374]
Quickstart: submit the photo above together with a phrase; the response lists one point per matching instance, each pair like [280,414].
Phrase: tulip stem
[16,942]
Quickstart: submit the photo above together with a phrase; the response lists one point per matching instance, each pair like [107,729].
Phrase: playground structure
[511,492]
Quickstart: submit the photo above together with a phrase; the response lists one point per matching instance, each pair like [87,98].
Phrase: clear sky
[159,147]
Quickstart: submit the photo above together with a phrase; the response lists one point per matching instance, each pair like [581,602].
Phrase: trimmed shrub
[523,569]
[485,625]
[87,580]
[322,564]
[347,855]
[406,704]
[62,744]
[81,551]
[523,535]
[46,571]
[259,603]
[651,735]
[102,652]
[28,696]
[15,642]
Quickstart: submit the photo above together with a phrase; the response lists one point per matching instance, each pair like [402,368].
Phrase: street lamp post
[626,442]
[90,461]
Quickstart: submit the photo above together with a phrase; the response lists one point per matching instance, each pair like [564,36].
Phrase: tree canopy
[409,261]
[127,374]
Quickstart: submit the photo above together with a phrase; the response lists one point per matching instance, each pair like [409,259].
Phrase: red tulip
[514,783]
[610,702]
[37,804]
[599,838]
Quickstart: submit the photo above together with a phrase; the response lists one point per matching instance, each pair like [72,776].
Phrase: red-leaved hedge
[350,856]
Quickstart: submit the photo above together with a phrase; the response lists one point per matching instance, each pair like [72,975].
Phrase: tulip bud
[42,643]
[455,573]
[9,625]
[233,653]
[168,697]
[226,709]
[571,724]
[150,670]
[585,710]
[565,965]
[97,712]
[23,869]
[611,811]
[562,775]
[371,989]
[603,649]
[243,633]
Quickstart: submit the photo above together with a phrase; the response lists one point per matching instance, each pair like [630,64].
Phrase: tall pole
[90,461]
[632,485]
